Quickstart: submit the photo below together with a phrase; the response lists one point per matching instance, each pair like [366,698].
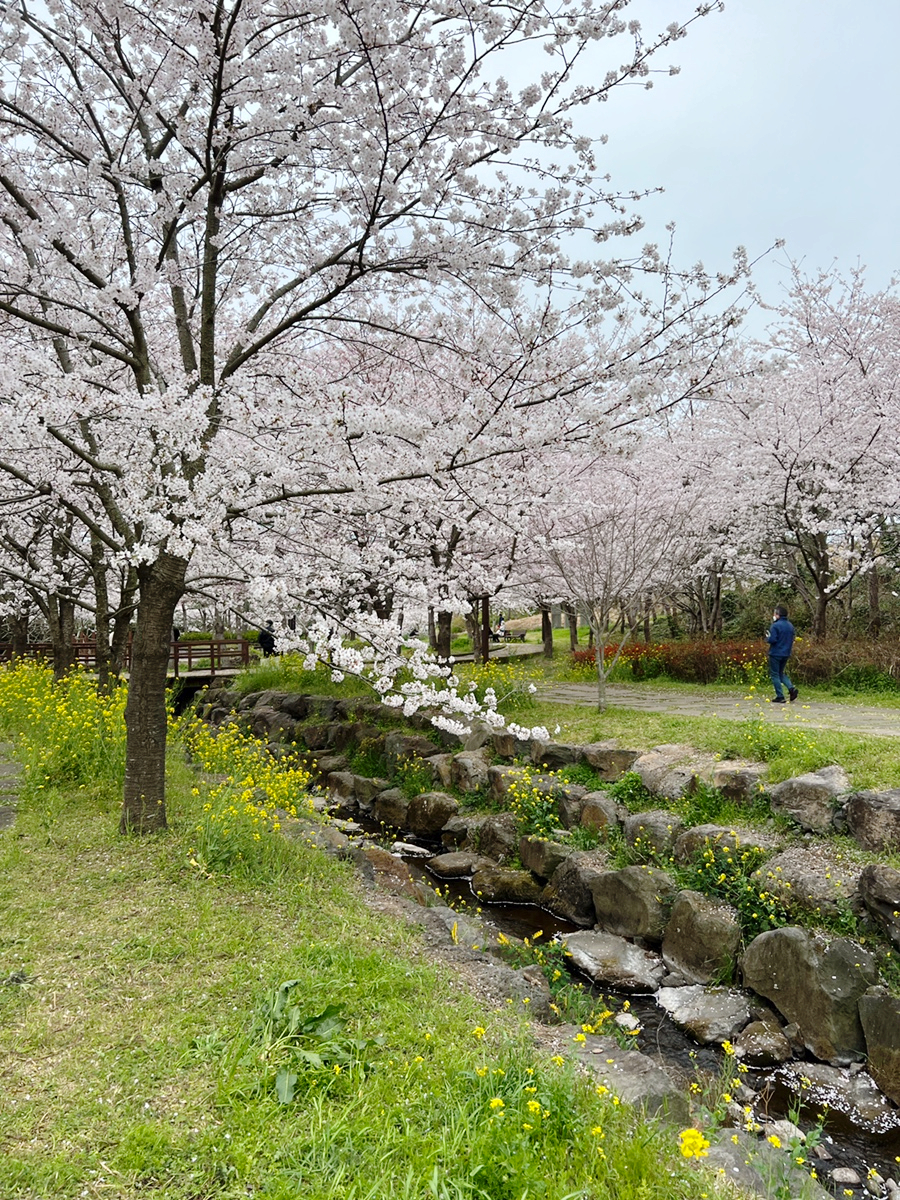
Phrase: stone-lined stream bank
[808,1013]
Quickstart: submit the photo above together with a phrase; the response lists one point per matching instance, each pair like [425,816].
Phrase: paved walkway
[852,718]
[10,776]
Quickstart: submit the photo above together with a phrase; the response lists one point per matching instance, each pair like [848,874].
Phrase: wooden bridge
[200,659]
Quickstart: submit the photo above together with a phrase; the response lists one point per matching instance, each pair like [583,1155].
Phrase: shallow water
[847,1143]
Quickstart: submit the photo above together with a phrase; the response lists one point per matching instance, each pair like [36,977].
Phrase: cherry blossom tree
[616,535]
[194,198]
[805,443]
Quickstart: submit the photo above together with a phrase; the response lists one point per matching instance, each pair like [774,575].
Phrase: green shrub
[863,665]
[413,776]
[630,791]
[535,807]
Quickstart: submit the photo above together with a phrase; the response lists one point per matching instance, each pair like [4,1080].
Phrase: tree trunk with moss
[161,586]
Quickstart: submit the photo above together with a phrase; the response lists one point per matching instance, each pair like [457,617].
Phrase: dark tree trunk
[432,630]
[472,623]
[485,629]
[874,587]
[572,619]
[161,586]
[715,624]
[547,630]
[103,621]
[444,620]
[18,632]
[122,622]
[820,617]
[382,603]
[61,614]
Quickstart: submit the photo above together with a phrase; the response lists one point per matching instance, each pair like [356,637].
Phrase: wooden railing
[209,656]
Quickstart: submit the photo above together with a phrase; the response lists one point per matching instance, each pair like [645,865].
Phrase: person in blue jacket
[781,642]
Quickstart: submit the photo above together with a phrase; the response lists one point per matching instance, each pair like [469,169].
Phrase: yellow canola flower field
[66,732]
[244,791]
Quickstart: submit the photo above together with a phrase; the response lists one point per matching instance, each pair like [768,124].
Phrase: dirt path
[852,718]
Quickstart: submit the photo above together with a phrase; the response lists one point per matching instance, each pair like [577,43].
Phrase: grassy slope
[130,1065]
[871,762]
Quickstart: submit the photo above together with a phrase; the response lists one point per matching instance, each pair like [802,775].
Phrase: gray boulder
[429,813]
[707,1014]
[599,812]
[500,779]
[464,930]
[398,747]
[673,771]
[502,885]
[613,962]
[458,864]
[441,767]
[696,839]
[631,1076]
[568,894]
[653,766]
[763,1044]
[552,756]
[739,782]
[507,745]
[850,1092]
[498,837]
[322,765]
[874,819]
[751,1164]
[570,809]
[268,699]
[815,983]
[340,785]
[391,873]
[654,831]
[366,788]
[879,1013]
[391,808]
[814,878]
[541,856]
[323,836]
[633,902]
[479,734]
[811,800]
[528,987]
[702,938]
[294,705]
[352,733]
[267,723]
[608,760]
[463,832]
[316,737]
[879,888]
[469,770]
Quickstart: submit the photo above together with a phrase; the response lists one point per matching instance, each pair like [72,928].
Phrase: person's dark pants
[778,675]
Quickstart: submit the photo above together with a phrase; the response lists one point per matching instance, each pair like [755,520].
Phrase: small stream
[846,1143]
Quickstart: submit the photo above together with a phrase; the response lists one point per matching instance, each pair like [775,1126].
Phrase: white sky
[784,123]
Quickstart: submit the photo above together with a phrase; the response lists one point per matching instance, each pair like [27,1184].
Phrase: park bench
[509,635]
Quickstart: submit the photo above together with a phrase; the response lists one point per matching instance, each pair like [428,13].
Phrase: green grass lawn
[174,1030]
[871,762]
[141,1054]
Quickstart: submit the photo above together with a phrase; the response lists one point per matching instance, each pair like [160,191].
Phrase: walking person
[266,640]
[781,642]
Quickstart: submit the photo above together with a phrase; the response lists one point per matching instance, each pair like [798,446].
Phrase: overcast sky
[784,123]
